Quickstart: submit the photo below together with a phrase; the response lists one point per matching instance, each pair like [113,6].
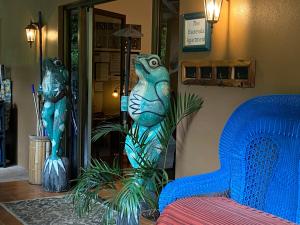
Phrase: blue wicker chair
[259,153]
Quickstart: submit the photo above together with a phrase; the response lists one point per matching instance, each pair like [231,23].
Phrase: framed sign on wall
[196,33]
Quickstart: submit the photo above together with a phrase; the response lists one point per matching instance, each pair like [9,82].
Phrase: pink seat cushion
[214,211]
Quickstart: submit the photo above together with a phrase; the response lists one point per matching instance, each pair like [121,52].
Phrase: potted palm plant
[131,190]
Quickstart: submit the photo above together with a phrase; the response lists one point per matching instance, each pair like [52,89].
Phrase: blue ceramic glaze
[148,104]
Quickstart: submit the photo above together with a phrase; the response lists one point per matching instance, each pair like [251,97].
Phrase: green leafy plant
[139,187]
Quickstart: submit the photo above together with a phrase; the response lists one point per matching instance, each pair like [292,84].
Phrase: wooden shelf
[229,73]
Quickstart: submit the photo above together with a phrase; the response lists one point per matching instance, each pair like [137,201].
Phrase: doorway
[86,41]
[107,82]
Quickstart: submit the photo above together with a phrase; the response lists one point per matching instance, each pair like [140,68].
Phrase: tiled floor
[21,190]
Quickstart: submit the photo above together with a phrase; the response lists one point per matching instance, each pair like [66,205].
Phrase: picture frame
[196,33]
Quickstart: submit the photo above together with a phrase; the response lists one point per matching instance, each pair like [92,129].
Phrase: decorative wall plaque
[196,33]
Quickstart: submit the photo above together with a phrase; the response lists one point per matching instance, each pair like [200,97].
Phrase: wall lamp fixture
[212,10]
[30,33]
[31,30]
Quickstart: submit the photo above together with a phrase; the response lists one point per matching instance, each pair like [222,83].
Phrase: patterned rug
[50,211]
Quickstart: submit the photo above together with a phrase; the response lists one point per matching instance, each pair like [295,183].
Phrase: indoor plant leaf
[138,185]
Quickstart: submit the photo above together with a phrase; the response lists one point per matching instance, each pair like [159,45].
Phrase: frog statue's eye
[153,63]
[57,62]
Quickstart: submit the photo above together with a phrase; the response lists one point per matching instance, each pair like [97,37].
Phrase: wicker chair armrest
[215,183]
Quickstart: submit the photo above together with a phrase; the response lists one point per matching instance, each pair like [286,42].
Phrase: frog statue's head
[150,69]
[55,78]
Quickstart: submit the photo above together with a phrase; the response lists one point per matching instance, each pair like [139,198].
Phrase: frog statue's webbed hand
[139,105]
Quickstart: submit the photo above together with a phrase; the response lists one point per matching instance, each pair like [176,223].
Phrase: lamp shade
[212,10]
[30,33]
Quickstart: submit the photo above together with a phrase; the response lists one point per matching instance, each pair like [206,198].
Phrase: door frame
[122,64]
[156,17]
[82,157]
[123,19]
[78,157]
[63,48]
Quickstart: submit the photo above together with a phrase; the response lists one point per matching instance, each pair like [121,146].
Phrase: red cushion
[214,211]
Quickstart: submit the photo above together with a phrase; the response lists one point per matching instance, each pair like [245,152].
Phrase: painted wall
[264,30]
[50,11]
[23,62]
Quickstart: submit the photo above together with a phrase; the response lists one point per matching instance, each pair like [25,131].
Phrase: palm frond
[142,185]
[181,107]
[98,176]
[104,129]
[139,141]
[139,188]
[142,153]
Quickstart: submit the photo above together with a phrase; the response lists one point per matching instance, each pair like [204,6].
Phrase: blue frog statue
[54,113]
[148,104]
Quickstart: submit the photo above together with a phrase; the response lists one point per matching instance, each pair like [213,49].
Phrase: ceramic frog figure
[54,87]
[150,98]
[148,104]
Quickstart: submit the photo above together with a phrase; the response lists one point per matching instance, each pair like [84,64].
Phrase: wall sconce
[30,33]
[31,30]
[212,10]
